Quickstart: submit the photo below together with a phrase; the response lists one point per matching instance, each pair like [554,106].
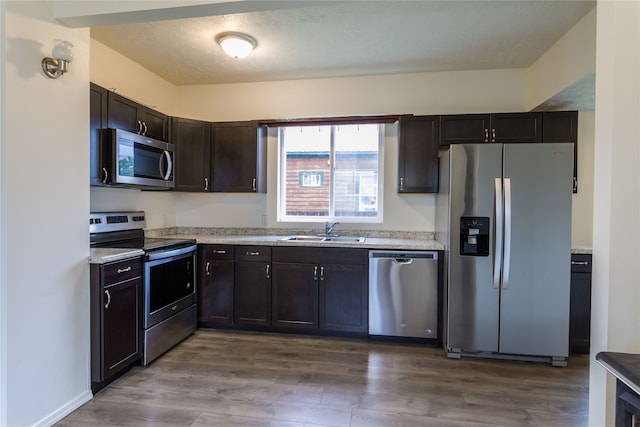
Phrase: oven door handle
[167,254]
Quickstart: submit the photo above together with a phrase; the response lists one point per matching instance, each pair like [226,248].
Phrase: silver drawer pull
[217,251]
[579,262]
[124,270]
[252,253]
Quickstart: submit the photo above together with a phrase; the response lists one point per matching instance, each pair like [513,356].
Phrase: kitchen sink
[320,239]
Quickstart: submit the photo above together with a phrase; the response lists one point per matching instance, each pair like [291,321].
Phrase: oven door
[170,283]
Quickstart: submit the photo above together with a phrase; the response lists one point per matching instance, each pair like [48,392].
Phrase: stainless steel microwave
[130,159]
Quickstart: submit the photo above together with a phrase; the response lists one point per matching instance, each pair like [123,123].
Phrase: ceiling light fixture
[236,45]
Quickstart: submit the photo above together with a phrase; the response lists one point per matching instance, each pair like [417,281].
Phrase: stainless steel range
[169,276]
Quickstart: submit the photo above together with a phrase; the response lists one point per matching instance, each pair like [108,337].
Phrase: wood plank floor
[217,378]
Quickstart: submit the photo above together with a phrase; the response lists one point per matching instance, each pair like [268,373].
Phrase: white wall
[582,203]
[570,59]
[615,321]
[44,233]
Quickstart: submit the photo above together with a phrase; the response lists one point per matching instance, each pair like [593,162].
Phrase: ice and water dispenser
[474,235]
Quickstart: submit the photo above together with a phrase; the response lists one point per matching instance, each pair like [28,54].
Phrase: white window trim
[282,218]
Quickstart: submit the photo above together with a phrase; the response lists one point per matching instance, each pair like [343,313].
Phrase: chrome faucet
[328,229]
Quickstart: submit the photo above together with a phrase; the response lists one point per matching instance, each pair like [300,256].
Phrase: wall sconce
[236,45]
[59,64]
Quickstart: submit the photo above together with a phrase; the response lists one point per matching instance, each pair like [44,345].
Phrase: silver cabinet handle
[106,292]
[493,135]
[254,184]
[219,251]
[252,253]
[105,173]
[315,272]
[321,273]
[401,183]
[124,270]
[206,184]
[579,262]
[267,274]
[486,135]
[144,132]
[207,268]
[139,127]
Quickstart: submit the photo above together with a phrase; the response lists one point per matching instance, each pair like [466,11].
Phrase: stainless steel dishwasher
[403,297]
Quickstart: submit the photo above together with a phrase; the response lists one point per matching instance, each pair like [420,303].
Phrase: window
[330,172]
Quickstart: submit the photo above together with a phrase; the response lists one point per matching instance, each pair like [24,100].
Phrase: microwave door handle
[167,156]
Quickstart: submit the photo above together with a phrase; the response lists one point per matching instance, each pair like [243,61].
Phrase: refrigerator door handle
[507,233]
[499,227]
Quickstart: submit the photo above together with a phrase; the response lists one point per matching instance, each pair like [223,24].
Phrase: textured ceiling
[349,38]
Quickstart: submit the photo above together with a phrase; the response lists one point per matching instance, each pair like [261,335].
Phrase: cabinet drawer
[317,255]
[217,252]
[252,253]
[121,271]
[580,263]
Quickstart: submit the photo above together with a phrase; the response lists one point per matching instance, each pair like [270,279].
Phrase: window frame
[281,215]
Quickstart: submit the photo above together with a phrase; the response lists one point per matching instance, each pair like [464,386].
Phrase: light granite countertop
[394,240]
[580,249]
[105,255]
[280,240]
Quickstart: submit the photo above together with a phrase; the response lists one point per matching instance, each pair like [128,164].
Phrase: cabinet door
[580,305]
[252,302]
[215,292]
[516,127]
[343,298]
[154,124]
[192,139]
[418,154]
[97,121]
[562,126]
[295,295]
[580,313]
[464,129]
[121,325]
[123,113]
[238,158]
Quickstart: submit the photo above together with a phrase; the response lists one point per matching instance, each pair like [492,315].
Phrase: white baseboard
[65,410]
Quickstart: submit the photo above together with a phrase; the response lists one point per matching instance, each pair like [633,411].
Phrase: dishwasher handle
[404,257]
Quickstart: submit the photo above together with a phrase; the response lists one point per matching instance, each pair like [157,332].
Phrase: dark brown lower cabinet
[320,289]
[295,295]
[116,319]
[343,298]
[580,305]
[252,297]
[215,285]
[252,301]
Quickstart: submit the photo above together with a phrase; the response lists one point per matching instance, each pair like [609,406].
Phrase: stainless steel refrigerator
[504,214]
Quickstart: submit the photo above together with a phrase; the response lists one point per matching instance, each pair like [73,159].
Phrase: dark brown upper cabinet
[192,139]
[238,157]
[464,129]
[126,114]
[418,154]
[97,121]
[562,126]
[499,128]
